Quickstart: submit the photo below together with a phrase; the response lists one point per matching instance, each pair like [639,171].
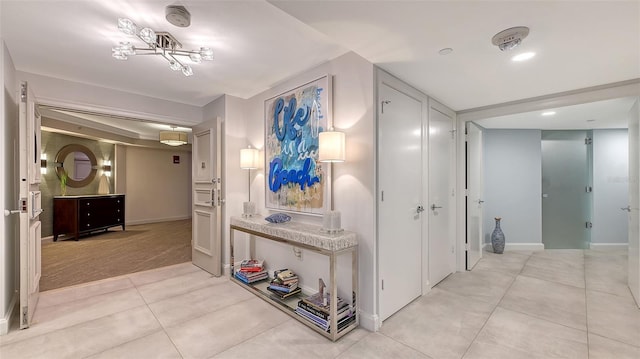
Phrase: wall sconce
[106,167]
[331,148]
[249,160]
[43,163]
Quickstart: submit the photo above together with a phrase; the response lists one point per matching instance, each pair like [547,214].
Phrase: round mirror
[78,163]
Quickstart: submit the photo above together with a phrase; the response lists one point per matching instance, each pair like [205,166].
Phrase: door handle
[480,201]
[434,207]
[627,208]
[10,212]
[419,209]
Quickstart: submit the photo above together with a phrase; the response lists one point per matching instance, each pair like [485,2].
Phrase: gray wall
[512,184]
[610,186]
[157,189]
[50,186]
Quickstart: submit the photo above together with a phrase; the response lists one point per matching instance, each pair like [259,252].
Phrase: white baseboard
[5,321]
[518,246]
[621,246]
[370,322]
[156,220]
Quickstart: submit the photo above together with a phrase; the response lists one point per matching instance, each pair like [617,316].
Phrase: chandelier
[158,43]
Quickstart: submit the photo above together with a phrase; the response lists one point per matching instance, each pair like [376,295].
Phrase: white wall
[156,188]
[610,186]
[353,181]
[52,91]
[8,188]
[512,186]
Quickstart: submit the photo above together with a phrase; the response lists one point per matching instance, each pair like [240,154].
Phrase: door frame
[630,88]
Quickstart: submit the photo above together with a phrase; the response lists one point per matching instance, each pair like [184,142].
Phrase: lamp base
[249,209]
[331,222]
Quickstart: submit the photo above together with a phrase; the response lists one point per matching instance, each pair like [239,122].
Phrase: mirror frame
[62,155]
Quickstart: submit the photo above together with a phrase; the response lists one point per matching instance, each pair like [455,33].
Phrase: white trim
[608,245]
[518,247]
[157,220]
[368,321]
[5,322]
[523,246]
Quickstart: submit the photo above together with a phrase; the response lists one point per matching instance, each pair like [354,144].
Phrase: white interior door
[474,195]
[29,206]
[400,185]
[441,186]
[206,246]
[634,202]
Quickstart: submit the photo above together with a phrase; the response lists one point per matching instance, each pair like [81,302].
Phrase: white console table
[312,238]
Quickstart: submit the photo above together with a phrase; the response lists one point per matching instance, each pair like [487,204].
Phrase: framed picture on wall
[295,180]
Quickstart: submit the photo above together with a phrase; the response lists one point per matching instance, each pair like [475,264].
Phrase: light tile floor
[550,304]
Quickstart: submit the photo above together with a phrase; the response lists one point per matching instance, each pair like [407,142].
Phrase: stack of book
[315,309]
[251,270]
[284,284]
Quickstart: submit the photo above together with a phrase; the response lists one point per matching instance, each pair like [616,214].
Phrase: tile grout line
[494,308]
[164,330]
[403,344]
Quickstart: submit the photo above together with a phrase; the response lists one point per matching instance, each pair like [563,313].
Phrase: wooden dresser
[77,215]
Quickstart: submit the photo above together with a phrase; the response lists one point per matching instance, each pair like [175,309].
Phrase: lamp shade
[331,146]
[173,138]
[249,158]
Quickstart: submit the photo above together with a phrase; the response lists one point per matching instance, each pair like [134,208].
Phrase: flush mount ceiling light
[173,137]
[161,43]
[510,38]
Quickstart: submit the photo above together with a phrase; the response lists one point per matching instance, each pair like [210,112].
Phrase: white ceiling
[595,115]
[257,44]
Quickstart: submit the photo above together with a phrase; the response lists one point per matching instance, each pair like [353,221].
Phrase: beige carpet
[114,253]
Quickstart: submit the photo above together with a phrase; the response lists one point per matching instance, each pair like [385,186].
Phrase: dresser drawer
[80,214]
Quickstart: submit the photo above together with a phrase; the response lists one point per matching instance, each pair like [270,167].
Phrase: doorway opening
[155,180]
[520,187]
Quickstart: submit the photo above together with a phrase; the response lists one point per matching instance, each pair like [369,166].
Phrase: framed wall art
[295,180]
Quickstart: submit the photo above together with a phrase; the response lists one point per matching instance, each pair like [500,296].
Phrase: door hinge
[588,225]
[467,246]
[381,196]
[588,141]
[382,103]
[25,317]
[383,284]
[23,93]
[588,189]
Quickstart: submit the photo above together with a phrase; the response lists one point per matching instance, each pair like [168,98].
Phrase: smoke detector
[178,15]
[510,38]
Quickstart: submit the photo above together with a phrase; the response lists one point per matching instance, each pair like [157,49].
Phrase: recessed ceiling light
[548,113]
[523,56]
[445,51]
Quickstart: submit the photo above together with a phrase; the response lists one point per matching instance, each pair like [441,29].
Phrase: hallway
[549,304]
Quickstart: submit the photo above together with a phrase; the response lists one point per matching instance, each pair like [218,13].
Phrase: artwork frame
[295,181]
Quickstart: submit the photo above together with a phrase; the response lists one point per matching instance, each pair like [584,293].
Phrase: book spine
[317,321]
[320,313]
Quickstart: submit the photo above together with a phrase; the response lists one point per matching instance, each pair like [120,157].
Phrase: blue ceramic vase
[497,238]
